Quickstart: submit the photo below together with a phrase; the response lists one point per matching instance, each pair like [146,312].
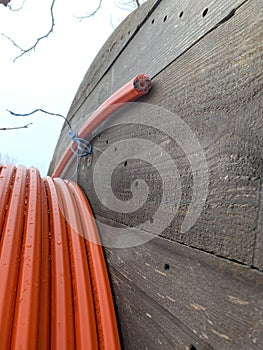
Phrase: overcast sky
[48,77]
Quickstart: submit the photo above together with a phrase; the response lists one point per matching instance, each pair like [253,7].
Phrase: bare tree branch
[111,22]
[17,9]
[129,5]
[17,127]
[24,51]
[6,159]
[92,13]
[40,110]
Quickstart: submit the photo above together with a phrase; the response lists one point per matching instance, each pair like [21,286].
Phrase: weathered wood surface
[258,258]
[170,296]
[113,47]
[158,36]
[162,36]
[110,51]
[208,71]
[217,91]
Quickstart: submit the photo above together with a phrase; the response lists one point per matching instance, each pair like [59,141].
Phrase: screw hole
[181,14]
[129,32]
[125,163]
[107,141]
[204,14]
[166,266]
[115,149]
[165,18]
[152,21]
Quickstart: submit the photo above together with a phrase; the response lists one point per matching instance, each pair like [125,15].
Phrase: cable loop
[80,147]
[83,146]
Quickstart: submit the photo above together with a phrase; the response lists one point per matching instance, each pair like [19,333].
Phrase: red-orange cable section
[10,250]
[26,318]
[45,285]
[138,86]
[6,178]
[62,322]
[105,313]
[54,287]
[84,312]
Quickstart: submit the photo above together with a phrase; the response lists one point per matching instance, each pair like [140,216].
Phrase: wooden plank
[113,47]
[258,258]
[171,35]
[152,52]
[158,50]
[109,52]
[144,324]
[171,296]
[216,88]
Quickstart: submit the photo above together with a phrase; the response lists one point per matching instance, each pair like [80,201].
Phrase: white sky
[48,77]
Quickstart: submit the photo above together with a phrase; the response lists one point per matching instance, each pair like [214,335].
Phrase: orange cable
[10,250]
[45,285]
[6,178]
[62,321]
[105,313]
[138,86]
[26,318]
[84,312]
[55,291]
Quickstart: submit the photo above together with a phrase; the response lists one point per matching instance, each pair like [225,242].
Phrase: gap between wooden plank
[225,19]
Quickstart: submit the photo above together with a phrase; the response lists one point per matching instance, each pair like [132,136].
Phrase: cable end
[142,84]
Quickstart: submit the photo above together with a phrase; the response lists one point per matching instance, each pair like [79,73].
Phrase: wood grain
[162,37]
[207,70]
[217,91]
[258,257]
[109,52]
[113,47]
[170,296]
[140,50]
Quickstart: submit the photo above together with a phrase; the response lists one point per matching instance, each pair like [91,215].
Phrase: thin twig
[92,13]
[40,110]
[24,51]
[132,2]
[111,22]
[129,5]
[17,127]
